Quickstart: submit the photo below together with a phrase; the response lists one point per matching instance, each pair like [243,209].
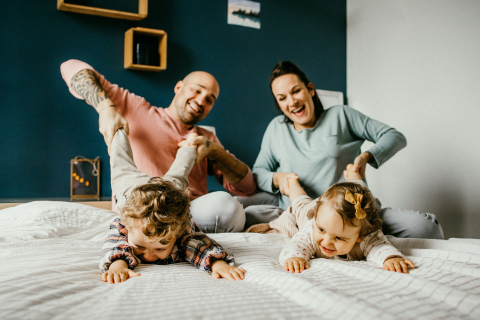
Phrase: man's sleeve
[116,247]
[245,187]
[201,250]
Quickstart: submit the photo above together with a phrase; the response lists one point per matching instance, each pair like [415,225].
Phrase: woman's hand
[280,181]
[295,265]
[360,163]
[220,269]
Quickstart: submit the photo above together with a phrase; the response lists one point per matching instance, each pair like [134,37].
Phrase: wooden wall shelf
[156,42]
[142,10]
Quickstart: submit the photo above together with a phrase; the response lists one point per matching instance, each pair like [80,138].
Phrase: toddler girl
[343,225]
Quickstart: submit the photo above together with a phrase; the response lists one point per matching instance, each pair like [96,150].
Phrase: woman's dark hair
[287,67]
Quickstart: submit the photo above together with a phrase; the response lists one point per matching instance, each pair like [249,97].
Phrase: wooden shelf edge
[144,68]
[61,5]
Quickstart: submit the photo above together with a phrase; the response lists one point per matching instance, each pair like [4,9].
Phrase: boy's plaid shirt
[193,246]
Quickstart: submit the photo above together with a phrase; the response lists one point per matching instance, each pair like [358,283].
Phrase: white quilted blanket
[49,254]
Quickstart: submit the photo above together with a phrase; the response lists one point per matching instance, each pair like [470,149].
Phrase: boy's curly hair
[335,197]
[161,206]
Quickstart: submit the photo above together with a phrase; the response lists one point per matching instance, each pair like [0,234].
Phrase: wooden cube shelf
[155,42]
[142,10]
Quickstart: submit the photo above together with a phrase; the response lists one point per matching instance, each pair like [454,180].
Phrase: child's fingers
[123,276]
[296,265]
[236,275]
[404,266]
[398,268]
[215,275]
[410,263]
[302,266]
[104,277]
[116,278]
[290,266]
[132,273]
[110,277]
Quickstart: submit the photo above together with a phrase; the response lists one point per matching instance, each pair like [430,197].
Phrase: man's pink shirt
[155,134]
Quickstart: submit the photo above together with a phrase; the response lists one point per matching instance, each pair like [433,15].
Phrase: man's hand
[109,121]
[360,163]
[295,265]
[220,269]
[398,264]
[280,181]
[118,272]
[205,147]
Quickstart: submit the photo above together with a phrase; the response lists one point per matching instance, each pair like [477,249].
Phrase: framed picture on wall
[85,179]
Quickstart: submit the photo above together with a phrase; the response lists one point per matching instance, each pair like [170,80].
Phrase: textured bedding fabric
[49,255]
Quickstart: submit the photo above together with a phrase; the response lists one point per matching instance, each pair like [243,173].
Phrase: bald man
[155,133]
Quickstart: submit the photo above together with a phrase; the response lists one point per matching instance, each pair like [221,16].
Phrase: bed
[49,255]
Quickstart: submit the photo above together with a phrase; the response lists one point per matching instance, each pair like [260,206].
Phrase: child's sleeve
[377,248]
[124,174]
[301,245]
[201,250]
[303,208]
[116,247]
[181,167]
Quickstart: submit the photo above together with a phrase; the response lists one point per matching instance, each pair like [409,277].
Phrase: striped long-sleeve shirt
[192,246]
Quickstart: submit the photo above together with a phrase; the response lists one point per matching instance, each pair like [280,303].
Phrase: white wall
[415,65]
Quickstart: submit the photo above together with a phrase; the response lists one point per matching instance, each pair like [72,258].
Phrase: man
[156,133]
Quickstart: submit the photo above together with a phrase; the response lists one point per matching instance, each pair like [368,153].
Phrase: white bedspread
[49,255]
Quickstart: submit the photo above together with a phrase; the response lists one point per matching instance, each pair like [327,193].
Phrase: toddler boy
[155,225]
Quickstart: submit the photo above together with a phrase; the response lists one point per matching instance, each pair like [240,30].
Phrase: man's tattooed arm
[86,84]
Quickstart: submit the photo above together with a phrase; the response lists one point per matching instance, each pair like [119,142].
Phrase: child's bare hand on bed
[118,272]
[295,265]
[398,264]
[221,269]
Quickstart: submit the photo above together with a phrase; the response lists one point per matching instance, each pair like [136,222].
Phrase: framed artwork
[244,13]
[85,179]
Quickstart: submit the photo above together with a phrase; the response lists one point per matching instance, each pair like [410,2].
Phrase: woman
[317,145]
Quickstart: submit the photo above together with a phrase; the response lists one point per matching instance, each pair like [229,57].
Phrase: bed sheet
[49,254]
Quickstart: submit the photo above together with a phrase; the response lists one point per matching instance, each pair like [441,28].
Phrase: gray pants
[218,212]
[263,208]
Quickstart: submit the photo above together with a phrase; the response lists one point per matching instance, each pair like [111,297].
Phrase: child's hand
[397,264]
[118,272]
[220,269]
[350,175]
[296,265]
[189,141]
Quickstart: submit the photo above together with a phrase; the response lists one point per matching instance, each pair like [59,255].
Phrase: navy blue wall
[42,126]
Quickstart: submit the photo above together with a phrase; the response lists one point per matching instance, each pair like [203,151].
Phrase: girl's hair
[287,67]
[161,206]
[335,197]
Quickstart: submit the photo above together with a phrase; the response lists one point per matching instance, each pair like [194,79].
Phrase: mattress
[49,253]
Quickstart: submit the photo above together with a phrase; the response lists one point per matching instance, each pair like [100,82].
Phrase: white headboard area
[209,128]
[330,98]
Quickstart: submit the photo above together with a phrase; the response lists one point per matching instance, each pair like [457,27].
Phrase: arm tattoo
[208,144]
[86,84]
